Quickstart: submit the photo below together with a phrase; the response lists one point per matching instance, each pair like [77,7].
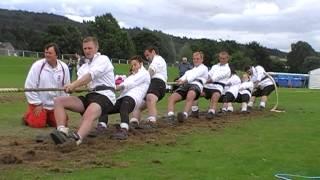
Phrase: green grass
[252,149]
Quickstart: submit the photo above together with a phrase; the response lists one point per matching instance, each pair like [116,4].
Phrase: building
[6,49]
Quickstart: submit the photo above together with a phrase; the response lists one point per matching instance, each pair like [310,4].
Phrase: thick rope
[274,109]
[11,90]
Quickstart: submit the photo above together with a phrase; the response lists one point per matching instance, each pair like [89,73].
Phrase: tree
[310,63]
[67,37]
[299,51]
[259,56]
[145,39]
[185,51]
[112,40]
[240,60]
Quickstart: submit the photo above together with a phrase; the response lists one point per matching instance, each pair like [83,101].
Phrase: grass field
[253,148]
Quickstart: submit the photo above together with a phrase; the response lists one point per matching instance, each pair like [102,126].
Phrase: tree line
[30,31]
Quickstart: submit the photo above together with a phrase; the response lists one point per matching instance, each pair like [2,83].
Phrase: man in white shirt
[97,73]
[263,85]
[218,77]
[191,85]
[157,89]
[48,72]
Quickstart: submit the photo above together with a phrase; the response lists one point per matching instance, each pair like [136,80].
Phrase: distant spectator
[71,65]
[184,66]
[80,60]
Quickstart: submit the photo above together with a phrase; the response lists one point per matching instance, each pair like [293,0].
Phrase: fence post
[119,61]
[22,53]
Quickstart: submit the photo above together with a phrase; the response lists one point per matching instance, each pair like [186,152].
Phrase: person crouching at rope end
[263,85]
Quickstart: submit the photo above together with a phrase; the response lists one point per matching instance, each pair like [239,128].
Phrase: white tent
[314,79]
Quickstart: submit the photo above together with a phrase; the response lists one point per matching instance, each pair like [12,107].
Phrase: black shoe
[58,137]
[120,134]
[134,125]
[171,119]
[181,117]
[210,115]
[147,125]
[99,130]
[261,108]
[249,108]
[194,114]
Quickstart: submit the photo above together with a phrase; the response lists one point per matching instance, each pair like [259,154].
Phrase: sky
[272,23]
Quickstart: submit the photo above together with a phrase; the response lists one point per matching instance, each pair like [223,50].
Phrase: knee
[57,101]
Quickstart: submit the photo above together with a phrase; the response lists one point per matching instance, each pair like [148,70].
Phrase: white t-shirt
[159,66]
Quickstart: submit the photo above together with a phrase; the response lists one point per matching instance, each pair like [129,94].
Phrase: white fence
[65,57]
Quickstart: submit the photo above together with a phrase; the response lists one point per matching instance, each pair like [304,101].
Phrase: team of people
[141,90]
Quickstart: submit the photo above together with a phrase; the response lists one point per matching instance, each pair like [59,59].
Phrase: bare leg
[61,103]
[189,100]
[175,97]
[92,113]
[152,105]
[251,102]
[214,101]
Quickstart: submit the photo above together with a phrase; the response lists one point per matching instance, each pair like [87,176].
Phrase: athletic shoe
[120,134]
[171,119]
[147,125]
[210,115]
[99,130]
[194,114]
[134,125]
[181,117]
[58,137]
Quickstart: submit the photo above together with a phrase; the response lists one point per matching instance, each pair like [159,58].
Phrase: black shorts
[158,88]
[184,89]
[242,98]
[103,101]
[264,92]
[228,97]
[209,92]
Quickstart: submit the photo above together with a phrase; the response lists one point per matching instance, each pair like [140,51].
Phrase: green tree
[310,63]
[113,41]
[240,60]
[299,51]
[259,55]
[185,51]
[67,37]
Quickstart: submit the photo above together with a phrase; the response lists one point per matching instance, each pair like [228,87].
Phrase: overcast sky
[272,23]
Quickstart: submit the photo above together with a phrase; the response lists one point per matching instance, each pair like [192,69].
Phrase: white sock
[124,126]
[103,124]
[152,119]
[135,120]
[63,129]
[224,109]
[262,104]
[250,104]
[244,107]
[186,114]
[170,113]
[194,108]
[212,110]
